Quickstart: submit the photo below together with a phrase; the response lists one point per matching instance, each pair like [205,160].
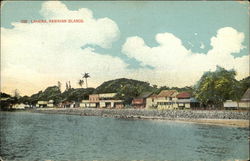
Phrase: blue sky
[145,19]
[194,23]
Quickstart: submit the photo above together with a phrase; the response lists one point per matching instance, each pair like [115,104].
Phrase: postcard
[124,80]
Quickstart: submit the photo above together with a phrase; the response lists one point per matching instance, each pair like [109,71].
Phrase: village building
[243,104]
[140,101]
[42,104]
[108,100]
[94,100]
[171,99]
[50,103]
[186,101]
[87,104]
[67,104]
[231,105]
[166,99]
[245,100]
[150,102]
[102,100]
[20,106]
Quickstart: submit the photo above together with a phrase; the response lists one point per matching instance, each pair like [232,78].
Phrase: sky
[167,43]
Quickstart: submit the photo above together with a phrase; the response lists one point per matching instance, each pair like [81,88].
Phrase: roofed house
[140,101]
[108,100]
[167,99]
[229,104]
[42,103]
[185,100]
[50,103]
[20,106]
[86,104]
[150,101]
[102,100]
[244,103]
[67,104]
[93,101]
[245,100]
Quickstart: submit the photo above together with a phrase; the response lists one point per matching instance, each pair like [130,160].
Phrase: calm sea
[33,136]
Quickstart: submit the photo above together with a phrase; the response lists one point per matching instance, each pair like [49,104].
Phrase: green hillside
[125,88]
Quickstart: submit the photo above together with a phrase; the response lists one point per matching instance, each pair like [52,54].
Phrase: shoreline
[219,122]
[220,118]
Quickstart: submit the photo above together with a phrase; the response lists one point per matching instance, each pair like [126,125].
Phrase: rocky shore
[151,114]
[211,117]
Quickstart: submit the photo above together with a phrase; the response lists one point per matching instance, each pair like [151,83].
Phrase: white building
[103,100]
[245,100]
[87,104]
[50,103]
[229,104]
[19,106]
[166,99]
[42,104]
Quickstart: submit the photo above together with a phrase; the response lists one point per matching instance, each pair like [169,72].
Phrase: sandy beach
[219,122]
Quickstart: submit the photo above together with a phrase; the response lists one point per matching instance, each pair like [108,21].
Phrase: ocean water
[34,136]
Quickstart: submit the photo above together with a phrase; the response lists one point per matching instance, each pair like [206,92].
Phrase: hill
[125,88]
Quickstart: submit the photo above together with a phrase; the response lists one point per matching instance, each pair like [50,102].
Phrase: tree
[35,97]
[80,82]
[216,87]
[50,93]
[128,92]
[6,101]
[86,76]
[77,94]
[24,99]
[154,86]
[126,89]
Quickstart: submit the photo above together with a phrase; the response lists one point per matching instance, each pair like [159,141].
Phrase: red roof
[184,95]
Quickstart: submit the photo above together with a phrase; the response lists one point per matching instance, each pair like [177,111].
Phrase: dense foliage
[76,94]
[54,93]
[216,87]
[126,89]
[50,93]
[6,101]
[4,95]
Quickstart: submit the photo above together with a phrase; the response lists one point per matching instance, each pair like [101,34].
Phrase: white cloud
[177,66]
[40,54]
[227,41]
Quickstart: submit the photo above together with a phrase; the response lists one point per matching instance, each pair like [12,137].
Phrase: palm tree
[86,76]
[80,82]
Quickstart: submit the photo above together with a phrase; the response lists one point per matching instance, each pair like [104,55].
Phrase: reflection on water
[32,136]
